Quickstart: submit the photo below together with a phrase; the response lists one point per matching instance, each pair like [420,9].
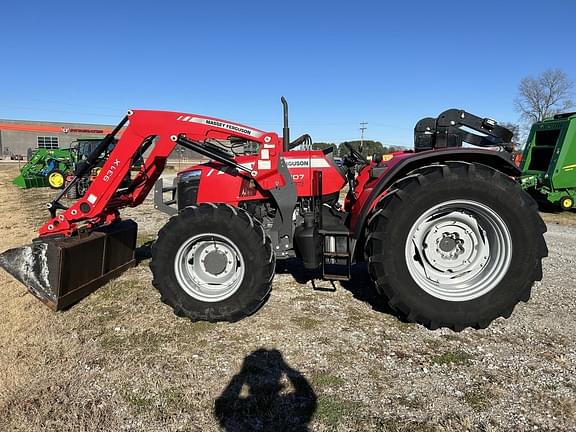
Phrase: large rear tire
[455,245]
[213,263]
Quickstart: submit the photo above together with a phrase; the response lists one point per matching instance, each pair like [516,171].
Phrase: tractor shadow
[360,285]
[266,395]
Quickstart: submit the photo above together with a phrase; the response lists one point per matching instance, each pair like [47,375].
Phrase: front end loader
[449,237]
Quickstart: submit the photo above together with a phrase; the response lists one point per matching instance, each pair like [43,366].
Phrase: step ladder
[336,259]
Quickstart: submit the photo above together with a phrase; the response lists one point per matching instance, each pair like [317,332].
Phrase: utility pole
[362,129]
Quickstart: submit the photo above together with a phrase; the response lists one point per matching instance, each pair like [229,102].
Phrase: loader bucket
[20,182]
[30,182]
[62,271]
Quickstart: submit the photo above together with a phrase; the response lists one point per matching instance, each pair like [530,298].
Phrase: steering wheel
[357,155]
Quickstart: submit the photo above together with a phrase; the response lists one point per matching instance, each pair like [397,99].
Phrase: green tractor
[46,167]
[549,162]
[53,167]
[82,148]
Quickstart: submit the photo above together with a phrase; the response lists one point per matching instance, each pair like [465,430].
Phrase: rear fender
[373,191]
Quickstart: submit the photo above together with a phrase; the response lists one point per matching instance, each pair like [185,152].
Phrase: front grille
[187,192]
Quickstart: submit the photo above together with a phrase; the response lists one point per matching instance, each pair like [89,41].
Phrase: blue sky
[337,63]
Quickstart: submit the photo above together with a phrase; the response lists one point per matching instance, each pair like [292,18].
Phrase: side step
[62,271]
[336,259]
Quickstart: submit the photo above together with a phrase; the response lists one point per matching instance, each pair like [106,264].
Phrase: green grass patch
[145,342]
[306,323]
[174,401]
[404,326]
[333,410]
[326,379]
[104,315]
[393,424]
[355,315]
[458,357]
[145,238]
[453,337]
[564,407]
[303,298]
[118,290]
[198,327]
[150,342]
[479,398]
[412,403]
[433,343]
[139,401]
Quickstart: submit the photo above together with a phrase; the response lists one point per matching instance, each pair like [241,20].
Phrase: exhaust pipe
[62,271]
[285,129]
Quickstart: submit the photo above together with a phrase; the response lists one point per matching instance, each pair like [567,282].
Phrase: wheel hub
[448,242]
[209,267]
[215,262]
[458,250]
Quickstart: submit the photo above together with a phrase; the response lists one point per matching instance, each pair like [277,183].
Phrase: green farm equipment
[54,167]
[549,161]
[81,150]
[46,167]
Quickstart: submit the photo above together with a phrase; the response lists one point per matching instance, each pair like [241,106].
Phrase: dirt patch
[560,218]
[121,360]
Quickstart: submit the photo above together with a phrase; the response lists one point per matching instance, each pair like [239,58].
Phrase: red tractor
[449,237]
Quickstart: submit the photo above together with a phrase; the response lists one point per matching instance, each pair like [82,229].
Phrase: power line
[362,129]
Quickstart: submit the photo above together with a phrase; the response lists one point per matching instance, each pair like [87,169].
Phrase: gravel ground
[308,360]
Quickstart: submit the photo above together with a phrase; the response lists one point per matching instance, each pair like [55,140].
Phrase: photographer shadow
[266,395]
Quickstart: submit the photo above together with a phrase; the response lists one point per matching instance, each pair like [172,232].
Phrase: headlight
[189,175]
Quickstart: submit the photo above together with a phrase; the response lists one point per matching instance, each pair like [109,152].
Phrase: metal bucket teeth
[61,271]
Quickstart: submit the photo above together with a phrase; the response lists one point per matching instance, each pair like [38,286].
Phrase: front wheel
[566,203]
[56,179]
[213,263]
[456,245]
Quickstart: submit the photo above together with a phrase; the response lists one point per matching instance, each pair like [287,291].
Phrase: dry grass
[121,361]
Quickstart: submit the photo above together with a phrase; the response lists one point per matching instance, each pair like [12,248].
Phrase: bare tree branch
[548,94]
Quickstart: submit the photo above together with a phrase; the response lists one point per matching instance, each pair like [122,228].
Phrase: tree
[541,97]
[519,134]
[323,145]
[369,147]
[393,148]
[512,127]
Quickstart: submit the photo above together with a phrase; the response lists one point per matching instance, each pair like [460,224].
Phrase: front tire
[56,179]
[213,263]
[455,245]
[566,203]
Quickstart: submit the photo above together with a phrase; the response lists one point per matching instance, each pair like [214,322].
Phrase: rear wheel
[56,179]
[455,245]
[213,263]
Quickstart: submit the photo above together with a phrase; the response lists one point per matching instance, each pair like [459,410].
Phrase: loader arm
[157,133]
[455,126]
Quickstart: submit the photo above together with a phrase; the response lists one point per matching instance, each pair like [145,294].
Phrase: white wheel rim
[458,250]
[209,267]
